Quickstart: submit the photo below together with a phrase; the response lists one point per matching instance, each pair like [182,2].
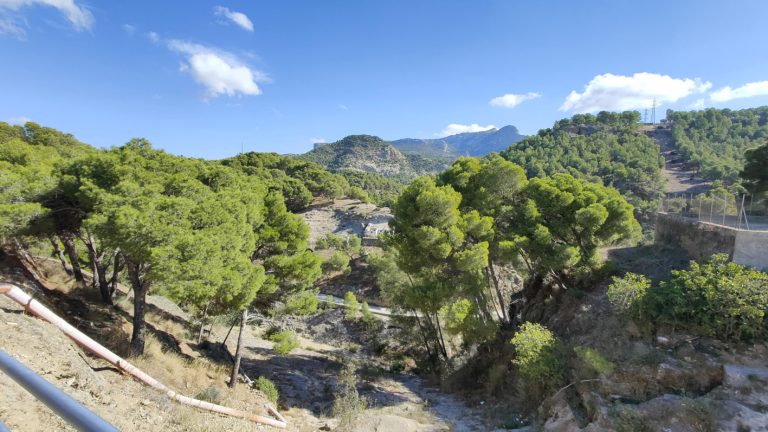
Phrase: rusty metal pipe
[36,308]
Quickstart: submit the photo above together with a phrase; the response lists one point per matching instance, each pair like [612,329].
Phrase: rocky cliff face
[371,154]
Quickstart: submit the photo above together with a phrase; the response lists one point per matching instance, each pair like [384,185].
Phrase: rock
[561,417]
[735,376]
[684,377]
[389,423]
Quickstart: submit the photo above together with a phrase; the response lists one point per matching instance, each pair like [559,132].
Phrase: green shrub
[348,405]
[303,302]
[351,306]
[285,341]
[718,298]
[329,304]
[268,388]
[358,193]
[461,317]
[627,294]
[210,394]
[337,262]
[538,356]
[592,360]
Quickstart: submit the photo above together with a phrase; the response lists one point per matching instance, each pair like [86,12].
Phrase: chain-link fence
[737,211]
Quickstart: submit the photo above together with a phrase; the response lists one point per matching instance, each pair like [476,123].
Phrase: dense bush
[337,262]
[538,357]
[351,306]
[594,362]
[718,298]
[268,388]
[302,302]
[285,341]
[627,294]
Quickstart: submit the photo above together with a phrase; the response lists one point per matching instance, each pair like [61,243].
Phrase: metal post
[725,205]
[711,208]
[58,401]
[742,209]
[699,214]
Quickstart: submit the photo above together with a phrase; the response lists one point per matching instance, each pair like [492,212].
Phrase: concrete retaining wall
[752,249]
[703,239]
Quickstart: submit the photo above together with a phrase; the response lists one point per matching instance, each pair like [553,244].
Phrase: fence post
[725,205]
[741,210]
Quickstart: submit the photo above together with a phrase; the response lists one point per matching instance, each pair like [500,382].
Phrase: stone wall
[703,239]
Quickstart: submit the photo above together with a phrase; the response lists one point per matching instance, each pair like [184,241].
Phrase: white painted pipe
[35,307]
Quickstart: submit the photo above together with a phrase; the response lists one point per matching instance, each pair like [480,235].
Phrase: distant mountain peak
[462,144]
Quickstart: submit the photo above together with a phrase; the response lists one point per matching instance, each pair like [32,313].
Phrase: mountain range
[409,157]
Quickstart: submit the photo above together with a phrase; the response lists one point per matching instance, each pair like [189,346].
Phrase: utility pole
[653,112]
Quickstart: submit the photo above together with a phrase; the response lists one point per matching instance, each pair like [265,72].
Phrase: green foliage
[755,173]
[348,405]
[370,153]
[350,245]
[351,306]
[268,388]
[382,190]
[359,194]
[337,262]
[462,318]
[606,148]
[538,357]
[285,342]
[304,302]
[715,141]
[627,294]
[297,180]
[718,298]
[592,360]
[211,394]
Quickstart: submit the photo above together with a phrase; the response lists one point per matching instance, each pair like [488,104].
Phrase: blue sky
[205,78]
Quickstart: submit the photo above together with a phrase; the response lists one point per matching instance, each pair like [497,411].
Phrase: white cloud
[759,88]
[130,29]
[21,120]
[314,140]
[342,106]
[609,92]
[9,27]
[511,100]
[153,37]
[220,72]
[80,17]
[455,128]
[698,104]
[238,18]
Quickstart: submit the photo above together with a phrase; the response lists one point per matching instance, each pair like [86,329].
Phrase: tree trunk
[442,340]
[495,278]
[202,325]
[60,254]
[239,352]
[140,290]
[74,259]
[423,334]
[115,275]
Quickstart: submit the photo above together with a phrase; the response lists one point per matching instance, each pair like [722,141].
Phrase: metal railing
[62,404]
[744,212]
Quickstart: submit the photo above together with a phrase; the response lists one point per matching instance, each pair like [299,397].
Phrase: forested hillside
[209,236]
[372,154]
[463,144]
[714,141]
[607,148]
